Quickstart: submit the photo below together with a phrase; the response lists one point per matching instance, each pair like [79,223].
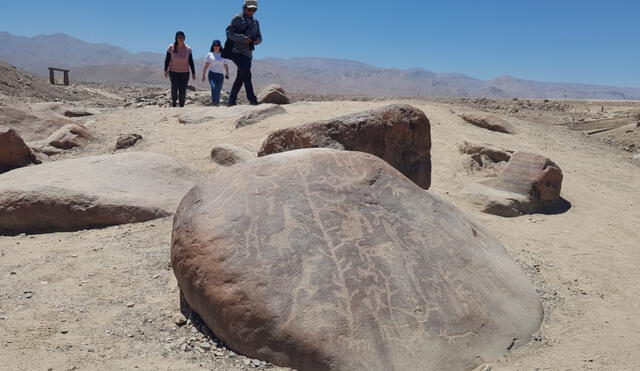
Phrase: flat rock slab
[197,116]
[96,191]
[258,114]
[399,134]
[321,259]
[489,122]
[529,184]
[32,124]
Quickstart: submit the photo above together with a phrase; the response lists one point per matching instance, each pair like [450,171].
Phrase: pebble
[130,305]
[129,335]
[179,319]
[205,346]
[256,363]
[64,331]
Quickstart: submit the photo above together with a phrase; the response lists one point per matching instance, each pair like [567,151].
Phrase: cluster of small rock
[200,339]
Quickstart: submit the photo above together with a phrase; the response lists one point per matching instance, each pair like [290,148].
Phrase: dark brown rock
[274,94]
[127,140]
[399,134]
[14,153]
[489,122]
[321,259]
[529,184]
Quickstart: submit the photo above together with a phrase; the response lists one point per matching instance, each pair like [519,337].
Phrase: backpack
[227,51]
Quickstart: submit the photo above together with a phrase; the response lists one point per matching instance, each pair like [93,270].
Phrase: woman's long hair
[215,43]
[175,43]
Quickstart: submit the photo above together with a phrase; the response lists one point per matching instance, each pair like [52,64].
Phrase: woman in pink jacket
[177,63]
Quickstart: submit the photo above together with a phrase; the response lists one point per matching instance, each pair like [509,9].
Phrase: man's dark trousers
[244,76]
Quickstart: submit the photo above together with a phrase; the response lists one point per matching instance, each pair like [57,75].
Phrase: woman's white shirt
[216,63]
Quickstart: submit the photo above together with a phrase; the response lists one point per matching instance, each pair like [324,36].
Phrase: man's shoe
[254,103]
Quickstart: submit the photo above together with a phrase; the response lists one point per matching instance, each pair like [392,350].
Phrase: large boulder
[321,259]
[67,137]
[228,155]
[489,122]
[258,114]
[92,191]
[529,184]
[399,134]
[14,153]
[274,94]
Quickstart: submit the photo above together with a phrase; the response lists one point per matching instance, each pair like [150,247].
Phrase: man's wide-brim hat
[251,3]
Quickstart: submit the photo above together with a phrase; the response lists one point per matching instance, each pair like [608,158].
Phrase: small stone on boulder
[258,114]
[274,94]
[489,122]
[127,140]
[399,134]
[485,156]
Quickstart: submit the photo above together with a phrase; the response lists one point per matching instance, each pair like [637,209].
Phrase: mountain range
[106,63]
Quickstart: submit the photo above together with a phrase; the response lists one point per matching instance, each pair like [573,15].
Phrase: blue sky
[561,40]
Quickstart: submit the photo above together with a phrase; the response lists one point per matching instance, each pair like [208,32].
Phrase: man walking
[244,31]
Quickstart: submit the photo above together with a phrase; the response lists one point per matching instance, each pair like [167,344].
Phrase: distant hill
[111,64]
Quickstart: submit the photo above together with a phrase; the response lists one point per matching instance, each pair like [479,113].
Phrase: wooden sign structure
[52,78]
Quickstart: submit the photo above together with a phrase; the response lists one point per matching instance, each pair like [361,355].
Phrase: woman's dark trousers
[244,77]
[179,83]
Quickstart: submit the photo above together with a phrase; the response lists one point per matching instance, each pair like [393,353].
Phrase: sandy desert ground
[107,298]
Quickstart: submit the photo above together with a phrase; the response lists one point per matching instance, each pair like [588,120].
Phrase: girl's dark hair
[215,42]
[175,43]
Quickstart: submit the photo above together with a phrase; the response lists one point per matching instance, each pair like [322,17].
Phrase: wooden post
[66,77]
[52,78]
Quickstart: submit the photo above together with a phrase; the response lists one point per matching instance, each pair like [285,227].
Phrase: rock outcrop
[399,134]
[321,259]
[92,191]
[489,122]
[529,184]
[274,94]
[258,114]
[228,155]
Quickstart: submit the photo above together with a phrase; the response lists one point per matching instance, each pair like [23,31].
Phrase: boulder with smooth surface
[529,184]
[228,155]
[32,124]
[399,134]
[322,259]
[89,192]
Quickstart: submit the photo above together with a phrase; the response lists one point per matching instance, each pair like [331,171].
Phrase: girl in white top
[218,70]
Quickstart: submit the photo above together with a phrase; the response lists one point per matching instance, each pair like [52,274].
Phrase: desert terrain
[107,298]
